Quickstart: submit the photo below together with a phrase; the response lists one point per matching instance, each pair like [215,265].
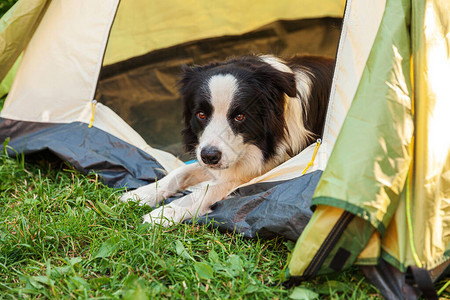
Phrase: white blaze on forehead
[222,89]
[218,133]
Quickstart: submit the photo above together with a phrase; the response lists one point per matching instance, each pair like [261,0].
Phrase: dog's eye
[239,117]
[201,115]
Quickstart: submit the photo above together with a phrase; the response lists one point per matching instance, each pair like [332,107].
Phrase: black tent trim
[87,149]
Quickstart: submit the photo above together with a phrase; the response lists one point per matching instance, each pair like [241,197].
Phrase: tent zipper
[327,245]
[104,50]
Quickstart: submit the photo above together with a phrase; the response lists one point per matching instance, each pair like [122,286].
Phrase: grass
[66,235]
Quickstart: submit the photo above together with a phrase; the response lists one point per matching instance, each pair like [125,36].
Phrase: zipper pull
[316,148]
[93,104]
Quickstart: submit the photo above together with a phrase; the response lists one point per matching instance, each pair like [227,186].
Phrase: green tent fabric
[16,29]
[391,160]
[6,84]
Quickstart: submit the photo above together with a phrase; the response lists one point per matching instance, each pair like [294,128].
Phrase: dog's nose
[211,155]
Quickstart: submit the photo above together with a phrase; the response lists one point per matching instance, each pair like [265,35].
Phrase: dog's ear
[188,79]
[273,78]
[187,87]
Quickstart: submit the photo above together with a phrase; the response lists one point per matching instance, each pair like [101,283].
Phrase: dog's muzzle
[211,155]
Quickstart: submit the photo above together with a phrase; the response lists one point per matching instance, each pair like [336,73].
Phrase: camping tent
[367,168]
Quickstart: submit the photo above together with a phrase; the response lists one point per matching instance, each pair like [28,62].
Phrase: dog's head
[234,109]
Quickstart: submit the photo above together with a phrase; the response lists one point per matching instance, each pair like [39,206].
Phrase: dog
[242,117]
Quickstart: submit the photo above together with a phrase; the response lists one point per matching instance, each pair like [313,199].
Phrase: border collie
[242,118]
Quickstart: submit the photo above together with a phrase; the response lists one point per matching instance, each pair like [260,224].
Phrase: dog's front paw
[150,195]
[166,215]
